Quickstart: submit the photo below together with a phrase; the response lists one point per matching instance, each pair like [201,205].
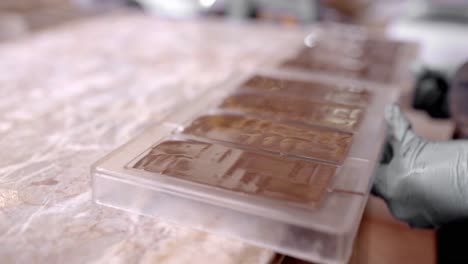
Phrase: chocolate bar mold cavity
[309,142]
[347,94]
[303,111]
[237,170]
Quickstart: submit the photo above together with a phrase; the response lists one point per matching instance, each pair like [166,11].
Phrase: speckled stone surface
[72,94]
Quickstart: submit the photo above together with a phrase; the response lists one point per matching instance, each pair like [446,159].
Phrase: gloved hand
[424,183]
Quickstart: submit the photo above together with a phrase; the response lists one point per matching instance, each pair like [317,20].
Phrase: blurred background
[437,25]
[19,17]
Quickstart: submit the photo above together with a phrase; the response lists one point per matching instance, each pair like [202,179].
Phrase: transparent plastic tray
[346,51]
[289,185]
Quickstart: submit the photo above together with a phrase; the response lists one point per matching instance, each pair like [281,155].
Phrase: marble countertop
[70,95]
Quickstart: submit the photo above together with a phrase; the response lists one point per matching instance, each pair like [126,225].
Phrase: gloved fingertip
[392,113]
[397,122]
[390,109]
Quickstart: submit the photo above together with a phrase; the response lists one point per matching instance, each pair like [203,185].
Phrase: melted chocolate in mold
[312,142]
[373,60]
[295,109]
[293,180]
[370,50]
[348,95]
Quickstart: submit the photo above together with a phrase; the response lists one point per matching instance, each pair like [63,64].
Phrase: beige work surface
[72,94]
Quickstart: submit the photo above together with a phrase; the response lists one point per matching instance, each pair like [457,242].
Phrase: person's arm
[424,183]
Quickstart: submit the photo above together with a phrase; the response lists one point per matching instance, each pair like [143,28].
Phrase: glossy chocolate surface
[372,59]
[312,142]
[294,109]
[348,95]
[293,180]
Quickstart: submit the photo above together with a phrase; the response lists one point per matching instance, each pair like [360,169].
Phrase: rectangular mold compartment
[341,93]
[320,229]
[282,138]
[294,109]
[366,56]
